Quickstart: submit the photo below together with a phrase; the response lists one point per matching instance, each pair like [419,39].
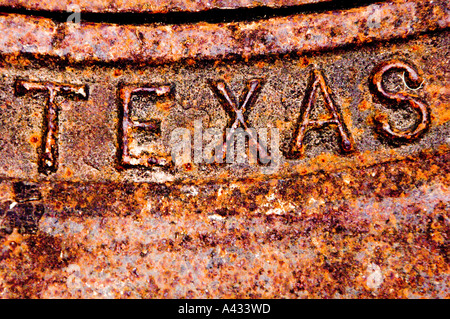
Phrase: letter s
[378,89]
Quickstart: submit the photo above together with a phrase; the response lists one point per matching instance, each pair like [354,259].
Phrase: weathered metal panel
[356,206]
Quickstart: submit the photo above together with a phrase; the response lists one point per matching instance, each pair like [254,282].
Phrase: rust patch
[377,232]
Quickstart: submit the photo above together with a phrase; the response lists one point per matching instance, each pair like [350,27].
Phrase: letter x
[238,110]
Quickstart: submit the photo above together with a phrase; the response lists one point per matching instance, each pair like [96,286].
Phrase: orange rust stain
[261,64]
[164,106]
[364,105]
[117,72]
[190,62]
[34,139]
[227,77]
[304,62]
[68,173]
[441,113]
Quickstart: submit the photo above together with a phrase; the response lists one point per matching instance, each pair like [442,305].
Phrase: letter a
[304,122]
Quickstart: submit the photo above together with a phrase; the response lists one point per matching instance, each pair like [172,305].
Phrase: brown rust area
[390,180]
[382,232]
[30,264]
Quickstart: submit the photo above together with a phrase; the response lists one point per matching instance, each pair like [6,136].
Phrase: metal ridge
[160,44]
[153,6]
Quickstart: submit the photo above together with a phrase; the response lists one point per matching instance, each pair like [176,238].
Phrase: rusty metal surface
[158,44]
[375,232]
[357,206]
[153,6]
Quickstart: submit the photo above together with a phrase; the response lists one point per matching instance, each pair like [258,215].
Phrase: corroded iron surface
[151,6]
[380,232]
[92,204]
[156,44]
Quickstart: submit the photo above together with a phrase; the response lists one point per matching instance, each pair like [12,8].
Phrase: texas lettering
[217,145]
